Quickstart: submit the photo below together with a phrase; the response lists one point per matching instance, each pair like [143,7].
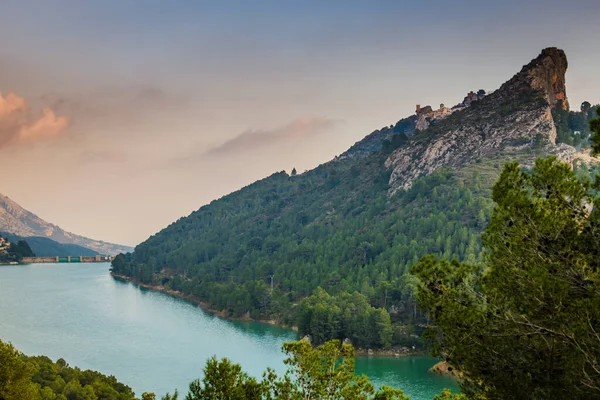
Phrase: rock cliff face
[518,115]
[547,73]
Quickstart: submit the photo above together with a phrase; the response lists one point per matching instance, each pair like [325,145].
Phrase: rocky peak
[547,74]
[516,116]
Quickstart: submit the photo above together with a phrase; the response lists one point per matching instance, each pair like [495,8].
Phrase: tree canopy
[39,378]
[325,372]
[15,251]
[595,128]
[525,324]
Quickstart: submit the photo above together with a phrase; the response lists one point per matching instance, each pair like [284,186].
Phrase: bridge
[68,259]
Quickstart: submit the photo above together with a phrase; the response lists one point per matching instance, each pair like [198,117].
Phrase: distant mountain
[329,249]
[44,247]
[16,220]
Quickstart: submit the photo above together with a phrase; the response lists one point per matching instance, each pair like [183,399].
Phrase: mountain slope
[357,223]
[511,117]
[16,220]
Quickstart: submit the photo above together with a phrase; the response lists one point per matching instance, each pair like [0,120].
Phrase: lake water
[152,341]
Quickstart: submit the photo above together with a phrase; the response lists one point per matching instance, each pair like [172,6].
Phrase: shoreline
[200,304]
[358,352]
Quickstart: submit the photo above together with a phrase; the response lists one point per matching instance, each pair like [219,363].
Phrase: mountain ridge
[18,221]
[513,115]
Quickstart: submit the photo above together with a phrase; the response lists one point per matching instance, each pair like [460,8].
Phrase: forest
[524,323]
[290,247]
[573,127]
[14,251]
[519,324]
[351,242]
[39,378]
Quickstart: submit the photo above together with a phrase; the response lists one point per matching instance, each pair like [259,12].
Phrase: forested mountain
[44,247]
[355,225]
[18,221]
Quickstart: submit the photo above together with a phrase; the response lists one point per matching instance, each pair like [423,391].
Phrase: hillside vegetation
[330,250]
[14,251]
[524,324]
[334,228]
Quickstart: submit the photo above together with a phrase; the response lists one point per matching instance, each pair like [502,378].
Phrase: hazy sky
[118,117]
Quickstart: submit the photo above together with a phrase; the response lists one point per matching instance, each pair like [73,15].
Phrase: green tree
[325,373]
[21,249]
[595,127]
[224,380]
[15,375]
[173,396]
[382,328]
[525,324]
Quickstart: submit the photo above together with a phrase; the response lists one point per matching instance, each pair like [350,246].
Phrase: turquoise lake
[152,341]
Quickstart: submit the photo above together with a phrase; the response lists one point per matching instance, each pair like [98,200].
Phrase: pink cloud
[294,131]
[18,125]
[48,125]
[11,105]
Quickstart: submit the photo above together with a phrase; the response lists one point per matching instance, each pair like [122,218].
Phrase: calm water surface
[151,341]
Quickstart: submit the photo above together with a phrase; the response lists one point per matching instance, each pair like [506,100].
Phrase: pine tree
[525,324]
[595,127]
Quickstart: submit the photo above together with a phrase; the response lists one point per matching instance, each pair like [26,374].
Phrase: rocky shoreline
[391,352]
[443,368]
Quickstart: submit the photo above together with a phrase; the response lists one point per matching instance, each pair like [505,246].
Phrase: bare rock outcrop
[547,73]
[517,114]
[443,368]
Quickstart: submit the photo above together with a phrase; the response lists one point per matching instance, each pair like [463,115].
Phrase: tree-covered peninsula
[330,250]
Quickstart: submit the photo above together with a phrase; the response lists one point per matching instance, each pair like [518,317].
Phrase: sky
[118,117]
